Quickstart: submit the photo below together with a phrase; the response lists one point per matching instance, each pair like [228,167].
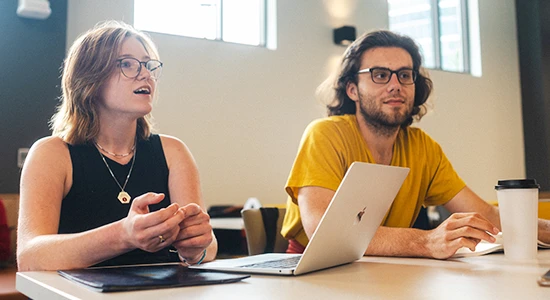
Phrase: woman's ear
[352,91]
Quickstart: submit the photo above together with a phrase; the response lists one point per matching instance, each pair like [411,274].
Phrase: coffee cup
[518,208]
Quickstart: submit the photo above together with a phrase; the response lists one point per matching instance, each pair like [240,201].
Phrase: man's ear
[352,91]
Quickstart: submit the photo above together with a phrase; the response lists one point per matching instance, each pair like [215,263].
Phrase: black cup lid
[517,184]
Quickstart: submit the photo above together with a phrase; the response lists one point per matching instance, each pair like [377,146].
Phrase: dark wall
[31,54]
[534,50]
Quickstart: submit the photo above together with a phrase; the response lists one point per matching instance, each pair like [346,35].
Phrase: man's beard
[383,123]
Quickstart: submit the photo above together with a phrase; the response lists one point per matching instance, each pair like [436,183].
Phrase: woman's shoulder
[171,141]
[48,152]
[49,144]
[176,152]
[173,146]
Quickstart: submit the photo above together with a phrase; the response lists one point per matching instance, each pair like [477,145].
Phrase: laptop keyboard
[285,263]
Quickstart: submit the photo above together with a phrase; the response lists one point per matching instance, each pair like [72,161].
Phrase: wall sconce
[34,9]
[344,35]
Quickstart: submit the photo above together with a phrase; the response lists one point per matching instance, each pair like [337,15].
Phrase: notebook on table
[344,232]
[485,247]
[144,277]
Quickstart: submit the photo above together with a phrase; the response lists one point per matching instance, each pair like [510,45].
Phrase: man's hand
[457,231]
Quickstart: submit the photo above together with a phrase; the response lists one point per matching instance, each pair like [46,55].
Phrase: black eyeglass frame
[140,63]
[396,72]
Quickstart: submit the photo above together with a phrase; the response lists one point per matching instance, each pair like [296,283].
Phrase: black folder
[144,277]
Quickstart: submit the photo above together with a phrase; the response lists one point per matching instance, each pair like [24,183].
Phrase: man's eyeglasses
[383,75]
[131,67]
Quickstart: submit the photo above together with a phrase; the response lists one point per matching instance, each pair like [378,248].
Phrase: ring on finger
[161,238]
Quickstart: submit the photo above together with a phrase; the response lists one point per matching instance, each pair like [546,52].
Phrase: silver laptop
[344,232]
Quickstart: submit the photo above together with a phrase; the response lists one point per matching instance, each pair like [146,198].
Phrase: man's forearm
[457,231]
[407,242]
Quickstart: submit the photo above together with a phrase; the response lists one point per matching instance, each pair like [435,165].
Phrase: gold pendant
[124,198]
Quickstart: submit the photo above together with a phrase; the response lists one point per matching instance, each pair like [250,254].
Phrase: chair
[263,230]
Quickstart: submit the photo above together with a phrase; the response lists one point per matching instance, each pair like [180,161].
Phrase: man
[379,91]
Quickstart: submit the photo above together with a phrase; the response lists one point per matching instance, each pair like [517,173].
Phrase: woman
[103,190]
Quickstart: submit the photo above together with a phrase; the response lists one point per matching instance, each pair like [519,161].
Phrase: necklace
[123,197]
[114,154]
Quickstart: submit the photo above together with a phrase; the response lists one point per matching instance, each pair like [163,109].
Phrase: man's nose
[394,83]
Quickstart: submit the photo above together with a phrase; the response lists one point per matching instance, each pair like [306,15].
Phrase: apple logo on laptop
[360,215]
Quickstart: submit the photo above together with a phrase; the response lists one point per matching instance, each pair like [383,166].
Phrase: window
[236,21]
[442,28]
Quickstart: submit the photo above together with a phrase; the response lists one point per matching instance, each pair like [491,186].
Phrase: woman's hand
[195,233]
[151,231]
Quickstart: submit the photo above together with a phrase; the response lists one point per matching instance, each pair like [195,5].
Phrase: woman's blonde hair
[87,67]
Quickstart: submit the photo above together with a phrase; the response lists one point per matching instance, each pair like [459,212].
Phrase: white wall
[242,110]
[478,121]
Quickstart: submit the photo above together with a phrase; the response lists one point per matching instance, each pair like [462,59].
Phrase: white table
[227,223]
[484,277]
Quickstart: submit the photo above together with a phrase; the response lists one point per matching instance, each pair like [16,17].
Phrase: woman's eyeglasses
[131,67]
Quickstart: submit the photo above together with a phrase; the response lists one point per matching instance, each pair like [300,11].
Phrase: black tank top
[92,200]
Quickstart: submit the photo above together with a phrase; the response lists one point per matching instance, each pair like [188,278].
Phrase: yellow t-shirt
[330,145]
